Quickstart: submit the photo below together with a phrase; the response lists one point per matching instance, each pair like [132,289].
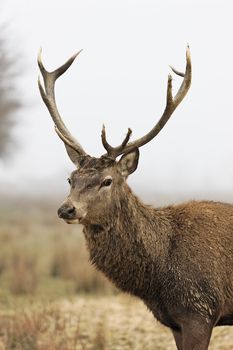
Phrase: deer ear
[128,163]
[75,156]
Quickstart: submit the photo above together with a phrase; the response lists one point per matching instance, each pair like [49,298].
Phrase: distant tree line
[9,99]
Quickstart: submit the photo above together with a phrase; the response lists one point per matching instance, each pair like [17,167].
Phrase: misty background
[120,80]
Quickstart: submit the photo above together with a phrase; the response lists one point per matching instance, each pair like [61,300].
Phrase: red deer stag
[177,259]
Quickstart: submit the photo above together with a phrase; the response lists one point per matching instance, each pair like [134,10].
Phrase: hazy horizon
[120,80]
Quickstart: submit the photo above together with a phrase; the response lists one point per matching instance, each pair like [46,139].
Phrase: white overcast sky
[120,80]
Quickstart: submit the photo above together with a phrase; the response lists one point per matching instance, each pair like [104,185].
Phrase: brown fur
[177,259]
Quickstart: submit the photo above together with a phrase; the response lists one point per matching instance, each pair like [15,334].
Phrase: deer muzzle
[71,213]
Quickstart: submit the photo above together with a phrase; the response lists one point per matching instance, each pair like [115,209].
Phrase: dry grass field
[51,298]
[91,323]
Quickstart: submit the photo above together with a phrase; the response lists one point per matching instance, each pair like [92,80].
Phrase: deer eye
[106,182]
[69,181]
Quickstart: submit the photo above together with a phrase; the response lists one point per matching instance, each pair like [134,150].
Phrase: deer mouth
[73,221]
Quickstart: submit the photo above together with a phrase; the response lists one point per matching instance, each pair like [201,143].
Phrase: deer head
[96,182]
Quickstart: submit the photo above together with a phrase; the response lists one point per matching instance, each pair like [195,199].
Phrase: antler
[48,96]
[171,104]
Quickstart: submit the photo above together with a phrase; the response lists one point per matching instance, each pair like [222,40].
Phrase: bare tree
[9,101]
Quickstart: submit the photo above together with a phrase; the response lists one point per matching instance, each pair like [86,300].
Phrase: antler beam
[171,104]
[48,96]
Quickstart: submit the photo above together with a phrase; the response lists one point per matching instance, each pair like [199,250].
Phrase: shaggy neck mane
[124,242]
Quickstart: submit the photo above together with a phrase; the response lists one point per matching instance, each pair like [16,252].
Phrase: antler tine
[48,96]
[106,145]
[171,104]
[113,152]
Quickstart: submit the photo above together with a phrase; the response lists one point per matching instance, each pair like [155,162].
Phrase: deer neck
[129,243]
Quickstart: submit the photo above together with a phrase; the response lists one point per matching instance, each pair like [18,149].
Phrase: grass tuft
[23,274]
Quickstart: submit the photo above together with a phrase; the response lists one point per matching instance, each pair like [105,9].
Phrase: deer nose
[66,212]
